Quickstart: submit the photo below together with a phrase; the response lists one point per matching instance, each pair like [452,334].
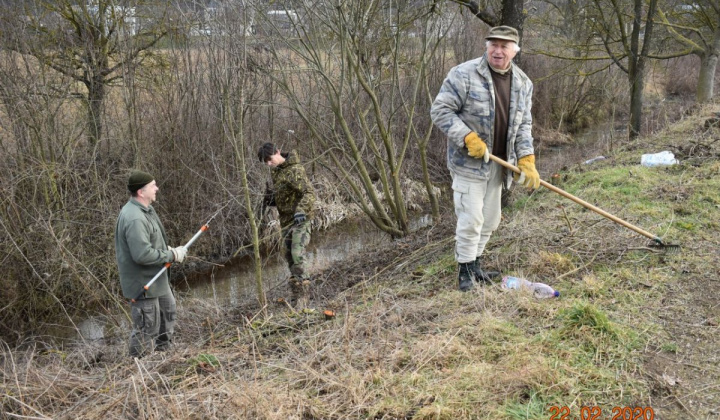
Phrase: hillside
[635,328]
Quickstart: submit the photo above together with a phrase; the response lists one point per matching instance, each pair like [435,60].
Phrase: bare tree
[496,13]
[366,61]
[694,28]
[619,32]
[626,31]
[89,42]
[231,71]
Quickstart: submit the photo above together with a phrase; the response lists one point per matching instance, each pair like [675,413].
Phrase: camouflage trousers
[153,324]
[296,239]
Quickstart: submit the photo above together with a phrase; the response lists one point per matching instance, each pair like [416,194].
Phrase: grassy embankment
[634,327]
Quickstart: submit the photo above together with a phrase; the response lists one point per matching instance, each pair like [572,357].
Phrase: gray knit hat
[138,179]
[507,33]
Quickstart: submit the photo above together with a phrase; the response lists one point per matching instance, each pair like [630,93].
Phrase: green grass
[406,344]
[534,408]
[586,316]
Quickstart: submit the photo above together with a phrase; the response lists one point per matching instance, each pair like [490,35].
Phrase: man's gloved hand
[299,218]
[179,253]
[529,176]
[476,147]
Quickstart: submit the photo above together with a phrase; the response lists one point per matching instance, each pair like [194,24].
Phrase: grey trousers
[153,324]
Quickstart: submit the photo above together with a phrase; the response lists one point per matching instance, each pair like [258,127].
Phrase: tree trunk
[706,78]
[637,81]
[637,57]
[513,15]
[708,65]
[96,96]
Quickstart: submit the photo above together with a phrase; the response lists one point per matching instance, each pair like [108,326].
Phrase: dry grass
[333,205]
[633,326]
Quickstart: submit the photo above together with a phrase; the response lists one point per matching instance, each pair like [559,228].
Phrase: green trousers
[296,239]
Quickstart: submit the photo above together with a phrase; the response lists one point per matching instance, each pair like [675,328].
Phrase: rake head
[657,243]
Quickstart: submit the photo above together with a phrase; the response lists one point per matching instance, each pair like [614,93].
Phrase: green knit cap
[138,179]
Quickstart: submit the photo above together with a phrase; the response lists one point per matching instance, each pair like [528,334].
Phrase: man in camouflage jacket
[294,197]
[485,99]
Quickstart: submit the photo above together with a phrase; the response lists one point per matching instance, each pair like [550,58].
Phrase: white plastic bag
[664,158]
[593,160]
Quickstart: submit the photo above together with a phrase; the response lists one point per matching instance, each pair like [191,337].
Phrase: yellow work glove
[476,147]
[529,176]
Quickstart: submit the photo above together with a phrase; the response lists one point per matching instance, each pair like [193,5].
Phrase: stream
[234,282]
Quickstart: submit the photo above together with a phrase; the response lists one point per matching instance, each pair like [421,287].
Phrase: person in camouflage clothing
[487,99]
[294,197]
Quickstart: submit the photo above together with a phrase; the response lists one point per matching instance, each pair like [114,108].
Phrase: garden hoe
[204,227]
[657,242]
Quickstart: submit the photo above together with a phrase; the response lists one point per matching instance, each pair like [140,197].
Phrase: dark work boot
[299,291]
[295,290]
[482,276]
[465,276]
[303,303]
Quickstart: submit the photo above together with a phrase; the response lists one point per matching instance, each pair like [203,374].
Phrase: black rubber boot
[482,276]
[465,276]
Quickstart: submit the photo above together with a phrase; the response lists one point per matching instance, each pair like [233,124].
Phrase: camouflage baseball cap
[504,32]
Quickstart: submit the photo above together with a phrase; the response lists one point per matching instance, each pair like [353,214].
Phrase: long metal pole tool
[167,265]
[657,241]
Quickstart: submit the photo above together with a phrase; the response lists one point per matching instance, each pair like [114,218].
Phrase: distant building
[121,19]
[283,19]
[281,22]
[220,18]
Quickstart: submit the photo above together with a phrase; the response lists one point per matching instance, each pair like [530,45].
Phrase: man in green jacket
[141,251]
[294,197]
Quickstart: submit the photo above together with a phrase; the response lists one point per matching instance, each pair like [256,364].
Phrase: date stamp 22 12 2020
[596,413]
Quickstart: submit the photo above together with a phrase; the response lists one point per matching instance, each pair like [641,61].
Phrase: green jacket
[293,191]
[141,250]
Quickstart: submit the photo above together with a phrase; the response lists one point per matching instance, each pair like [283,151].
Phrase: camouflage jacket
[466,102]
[293,191]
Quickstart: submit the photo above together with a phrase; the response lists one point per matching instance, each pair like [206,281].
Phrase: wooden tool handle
[579,201]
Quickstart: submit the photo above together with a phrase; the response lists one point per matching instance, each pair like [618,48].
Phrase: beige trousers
[477,207]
